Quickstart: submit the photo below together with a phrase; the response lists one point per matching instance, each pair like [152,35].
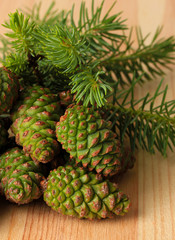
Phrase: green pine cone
[20,177]
[82,194]
[34,122]
[3,134]
[9,87]
[89,140]
[38,102]
[37,138]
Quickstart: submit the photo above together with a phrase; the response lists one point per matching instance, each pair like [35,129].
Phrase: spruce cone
[20,177]
[81,194]
[9,87]
[35,117]
[89,140]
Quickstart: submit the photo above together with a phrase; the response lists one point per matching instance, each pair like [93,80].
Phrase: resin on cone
[78,193]
[89,140]
[20,177]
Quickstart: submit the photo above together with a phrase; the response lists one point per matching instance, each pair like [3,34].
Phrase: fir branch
[62,47]
[76,49]
[16,62]
[89,88]
[21,32]
[99,32]
[150,59]
[96,26]
[153,127]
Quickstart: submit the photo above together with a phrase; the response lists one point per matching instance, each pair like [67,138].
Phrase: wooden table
[150,185]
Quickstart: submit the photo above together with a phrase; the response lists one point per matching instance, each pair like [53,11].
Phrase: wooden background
[150,185]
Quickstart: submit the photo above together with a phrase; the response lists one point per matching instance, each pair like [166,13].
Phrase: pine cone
[81,194]
[20,177]
[9,87]
[89,140]
[35,117]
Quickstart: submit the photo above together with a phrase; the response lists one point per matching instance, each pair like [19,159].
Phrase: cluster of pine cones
[63,150]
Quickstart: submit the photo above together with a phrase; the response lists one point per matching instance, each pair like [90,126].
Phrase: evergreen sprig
[99,31]
[94,58]
[90,87]
[93,41]
[16,62]
[63,47]
[20,33]
[150,59]
[142,121]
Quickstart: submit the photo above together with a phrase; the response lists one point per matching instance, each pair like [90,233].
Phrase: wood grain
[150,185]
